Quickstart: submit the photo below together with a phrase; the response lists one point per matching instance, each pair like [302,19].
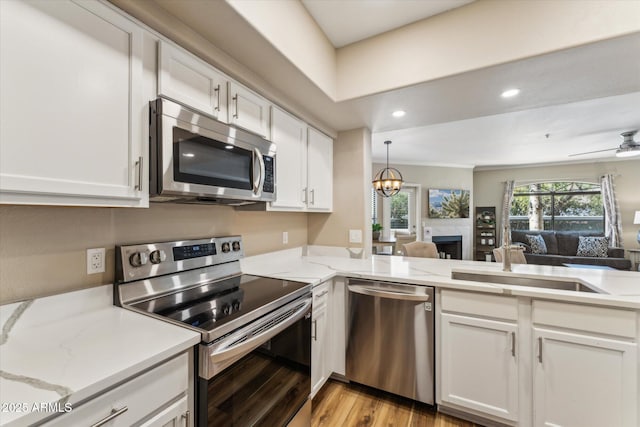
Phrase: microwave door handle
[259,181]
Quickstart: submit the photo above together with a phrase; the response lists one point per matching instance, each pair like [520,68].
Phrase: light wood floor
[350,405]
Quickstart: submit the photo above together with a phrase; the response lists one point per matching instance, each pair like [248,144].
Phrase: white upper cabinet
[304,165]
[191,81]
[71,109]
[288,133]
[319,172]
[248,110]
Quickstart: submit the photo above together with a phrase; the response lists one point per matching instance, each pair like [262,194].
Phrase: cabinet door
[191,81]
[71,106]
[248,110]
[136,399]
[337,327]
[319,342]
[584,381]
[320,171]
[175,415]
[288,133]
[479,368]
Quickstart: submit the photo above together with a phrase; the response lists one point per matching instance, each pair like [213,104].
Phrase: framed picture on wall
[448,203]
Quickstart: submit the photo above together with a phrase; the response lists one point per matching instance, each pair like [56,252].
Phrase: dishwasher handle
[389,294]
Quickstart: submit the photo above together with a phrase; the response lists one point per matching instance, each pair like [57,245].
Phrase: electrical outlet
[285,237]
[95,260]
[355,236]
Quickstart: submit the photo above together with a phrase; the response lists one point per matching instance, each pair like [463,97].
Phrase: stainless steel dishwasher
[391,340]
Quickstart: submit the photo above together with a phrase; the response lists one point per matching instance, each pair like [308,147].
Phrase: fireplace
[450,245]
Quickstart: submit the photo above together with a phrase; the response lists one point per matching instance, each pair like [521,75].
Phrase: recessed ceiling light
[510,93]
[398,113]
[188,155]
[229,147]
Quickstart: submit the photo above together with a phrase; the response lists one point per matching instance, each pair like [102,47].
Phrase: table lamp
[636,220]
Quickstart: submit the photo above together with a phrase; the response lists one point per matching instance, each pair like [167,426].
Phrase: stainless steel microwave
[197,159]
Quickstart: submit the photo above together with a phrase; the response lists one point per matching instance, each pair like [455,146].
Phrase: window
[400,211]
[562,206]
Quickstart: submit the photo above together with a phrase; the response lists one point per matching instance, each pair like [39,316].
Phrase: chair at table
[403,239]
[517,254]
[420,249]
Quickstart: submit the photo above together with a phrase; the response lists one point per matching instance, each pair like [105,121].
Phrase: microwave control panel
[269,173]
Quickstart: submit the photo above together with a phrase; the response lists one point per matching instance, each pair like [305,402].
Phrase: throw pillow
[537,244]
[593,246]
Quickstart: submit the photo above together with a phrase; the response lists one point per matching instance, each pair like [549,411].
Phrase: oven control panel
[135,262]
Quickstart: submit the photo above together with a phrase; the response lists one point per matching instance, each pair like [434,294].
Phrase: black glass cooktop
[213,305]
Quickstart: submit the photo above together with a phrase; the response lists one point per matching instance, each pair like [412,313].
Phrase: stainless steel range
[253,361]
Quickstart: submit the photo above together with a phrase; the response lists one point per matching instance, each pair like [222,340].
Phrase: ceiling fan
[628,148]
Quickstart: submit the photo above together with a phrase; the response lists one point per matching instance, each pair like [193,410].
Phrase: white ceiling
[584,97]
[348,21]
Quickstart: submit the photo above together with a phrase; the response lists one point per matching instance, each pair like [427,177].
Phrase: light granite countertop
[619,288]
[68,347]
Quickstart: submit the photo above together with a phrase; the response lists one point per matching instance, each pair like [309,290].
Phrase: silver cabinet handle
[114,413]
[235,100]
[315,330]
[139,168]
[364,290]
[186,416]
[313,196]
[321,294]
[513,344]
[217,91]
[305,191]
[540,349]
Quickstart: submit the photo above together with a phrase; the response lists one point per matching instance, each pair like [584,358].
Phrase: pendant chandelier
[388,181]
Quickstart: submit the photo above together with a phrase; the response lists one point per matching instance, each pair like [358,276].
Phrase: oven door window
[264,388]
[201,160]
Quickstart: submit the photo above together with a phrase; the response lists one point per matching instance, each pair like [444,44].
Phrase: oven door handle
[256,340]
[259,181]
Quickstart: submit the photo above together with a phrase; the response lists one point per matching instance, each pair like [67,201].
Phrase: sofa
[562,247]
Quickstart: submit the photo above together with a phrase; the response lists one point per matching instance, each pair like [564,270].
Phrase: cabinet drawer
[478,304]
[599,320]
[142,396]
[321,295]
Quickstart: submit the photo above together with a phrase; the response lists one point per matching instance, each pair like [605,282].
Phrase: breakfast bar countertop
[619,288]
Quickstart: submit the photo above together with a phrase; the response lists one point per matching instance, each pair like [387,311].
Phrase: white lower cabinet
[478,353]
[575,366]
[72,109]
[157,398]
[479,367]
[320,369]
[587,375]
[338,326]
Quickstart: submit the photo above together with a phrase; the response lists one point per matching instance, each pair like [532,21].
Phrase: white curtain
[612,223]
[506,205]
